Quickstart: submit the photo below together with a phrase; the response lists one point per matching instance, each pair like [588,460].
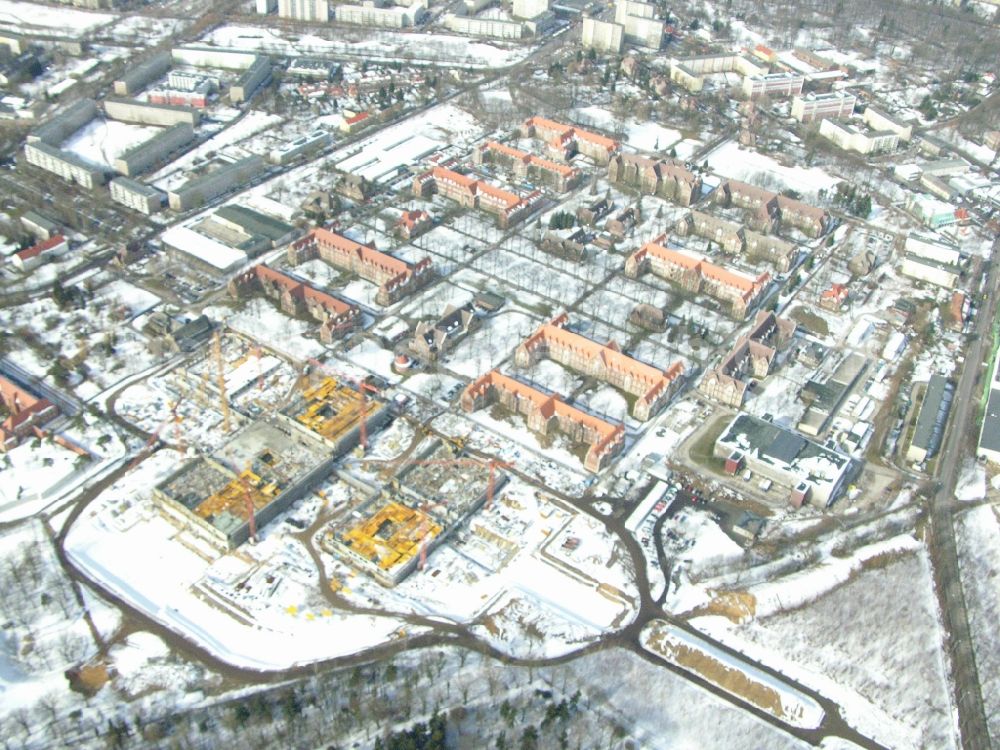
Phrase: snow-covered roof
[203,248]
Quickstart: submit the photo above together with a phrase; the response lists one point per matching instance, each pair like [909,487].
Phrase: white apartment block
[646,32]
[641,25]
[850,138]
[835,105]
[924,269]
[633,8]
[773,84]
[529,8]
[602,35]
[64,164]
[933,248]
[304,10]
[487,27]
[137,196]
[878,120]
[266,6]
[367,14]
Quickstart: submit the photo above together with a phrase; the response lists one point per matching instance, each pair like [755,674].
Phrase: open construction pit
[268,465]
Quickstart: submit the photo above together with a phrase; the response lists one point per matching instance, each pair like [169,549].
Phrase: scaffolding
[392,536]
[331,409]
[232,498]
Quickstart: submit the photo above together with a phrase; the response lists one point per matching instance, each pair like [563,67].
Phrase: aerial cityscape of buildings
[499,374]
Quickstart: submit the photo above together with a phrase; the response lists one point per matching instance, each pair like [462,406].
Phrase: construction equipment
[221,379]
[250,509]
[155,437]
[178,435]
[361,386]
[426,508]
[492,463]
[260,368]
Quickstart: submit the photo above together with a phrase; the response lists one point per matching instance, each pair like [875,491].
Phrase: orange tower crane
[260,369]
[154,437]
[362,387]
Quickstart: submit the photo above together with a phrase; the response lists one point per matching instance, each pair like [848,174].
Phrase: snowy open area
[479,405]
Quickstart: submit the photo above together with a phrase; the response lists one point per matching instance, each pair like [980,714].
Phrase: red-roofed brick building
[958,310]
[295,297]
[772,209]
[563,141]
[695,274]
[354,123]
[652,387]
[661,178]
[32,257]
[413,224]
[525,165]
[26,414]
[834,297]
[752,355]
[543,411]
[472,193]
[395,278]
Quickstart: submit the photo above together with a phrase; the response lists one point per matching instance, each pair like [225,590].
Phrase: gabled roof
[41,247]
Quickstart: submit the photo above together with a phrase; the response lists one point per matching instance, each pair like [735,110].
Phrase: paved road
[965,676]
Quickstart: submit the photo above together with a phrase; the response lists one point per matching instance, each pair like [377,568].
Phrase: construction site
[233,493]
[274,457]
[426,500]
[341,416]
[236,373]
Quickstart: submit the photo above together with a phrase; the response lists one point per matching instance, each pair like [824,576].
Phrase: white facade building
[485,27]
[933,248]
[368,14]
[835,105]
[640,23]
[529,8]
[850,138]
[65,164]
[602,35]
[878,120]
[137,196]
[924,269]
[773,84]
[304,10]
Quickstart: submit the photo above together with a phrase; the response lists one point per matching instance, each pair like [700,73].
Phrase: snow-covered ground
[733,161]
[102,141]
[374,45]
[644,136]
[977,533]
[688,651]
[873,644]
[60,21]
[175,586]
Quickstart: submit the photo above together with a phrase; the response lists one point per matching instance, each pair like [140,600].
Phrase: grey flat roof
[990,436]
[255,222]
[136,187]
[933,414]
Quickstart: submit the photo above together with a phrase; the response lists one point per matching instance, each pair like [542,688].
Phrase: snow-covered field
[733,161]
[102,141]
[977,532]
[644,136]
[121,528]
[873,644]
[60,21]
[374,45]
